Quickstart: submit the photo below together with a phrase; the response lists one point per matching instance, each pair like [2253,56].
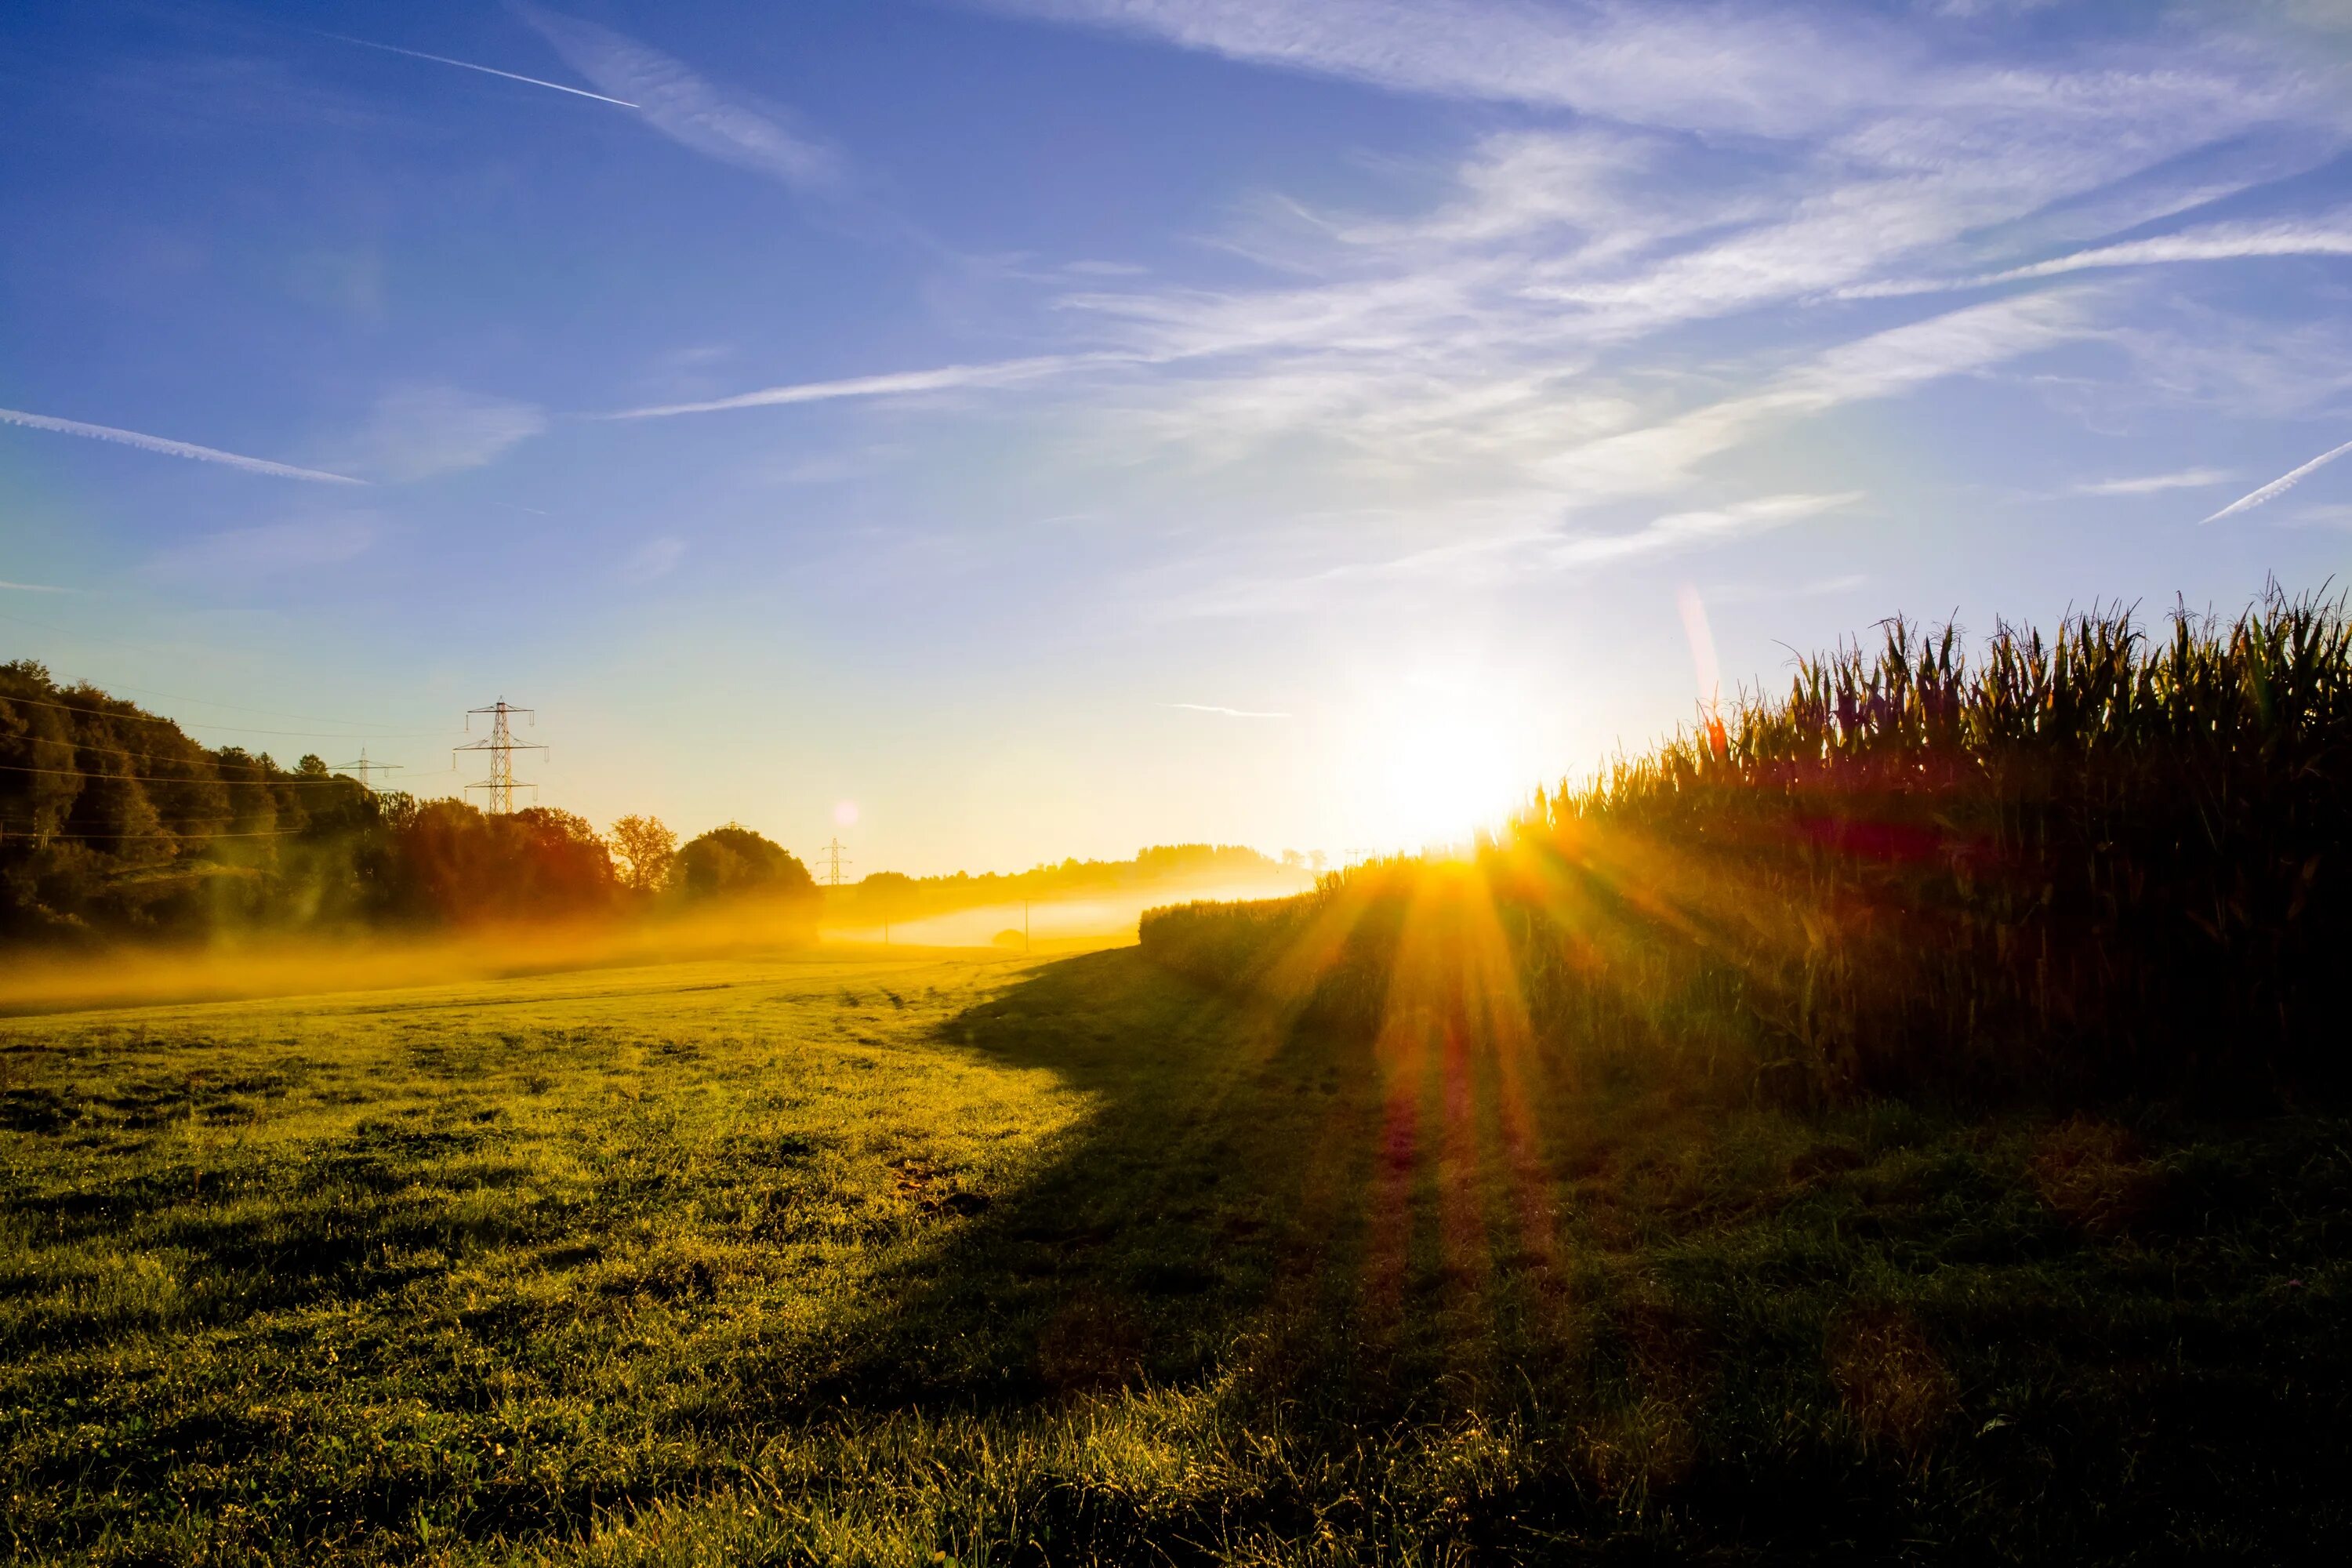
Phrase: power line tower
[367,770]
[830,858]
[501,746]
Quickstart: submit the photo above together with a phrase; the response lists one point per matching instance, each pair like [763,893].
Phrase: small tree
[734,860]
[647,850]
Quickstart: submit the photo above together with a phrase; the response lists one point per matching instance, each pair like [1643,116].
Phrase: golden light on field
[1431,757]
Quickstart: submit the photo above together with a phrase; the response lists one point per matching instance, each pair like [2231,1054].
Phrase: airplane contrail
[1227,713]
[945,378]
[171,448]
[2279,486]
[486,71]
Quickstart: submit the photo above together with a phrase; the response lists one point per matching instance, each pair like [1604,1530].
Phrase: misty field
[876,1259]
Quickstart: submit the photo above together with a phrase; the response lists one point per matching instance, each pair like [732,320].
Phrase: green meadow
[932,1256]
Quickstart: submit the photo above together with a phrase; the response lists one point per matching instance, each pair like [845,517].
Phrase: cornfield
[2103,860]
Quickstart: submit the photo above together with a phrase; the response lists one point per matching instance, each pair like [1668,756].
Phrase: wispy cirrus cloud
[732,127]
[1510,553]
[268,550]
[1681,531]
[2218,242]
[2155,484]
[33,588]
[2280,485]
[422,431]
[655,558]
[1495,378]
[171,448]
[1718,67]
[1661,455]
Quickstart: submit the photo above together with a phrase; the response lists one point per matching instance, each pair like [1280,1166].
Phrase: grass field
[936,1257]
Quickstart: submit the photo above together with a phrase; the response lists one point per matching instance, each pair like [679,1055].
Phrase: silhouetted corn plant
[2092,862]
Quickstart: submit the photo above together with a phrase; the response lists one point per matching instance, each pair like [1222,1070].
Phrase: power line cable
[292,782]
[240,728]
[211,756]
[186,832]
[232,707]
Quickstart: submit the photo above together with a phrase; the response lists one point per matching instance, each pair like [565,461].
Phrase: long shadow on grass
[1884,1340]
[1241,1198]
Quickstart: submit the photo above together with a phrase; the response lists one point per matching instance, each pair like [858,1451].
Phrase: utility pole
[364,769]
[1026,946]
[501,746]
[830,857]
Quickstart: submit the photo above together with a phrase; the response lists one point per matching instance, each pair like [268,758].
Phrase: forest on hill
[1161,868]
[114,822]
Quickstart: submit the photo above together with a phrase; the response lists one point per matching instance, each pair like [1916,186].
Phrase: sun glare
[1432,760]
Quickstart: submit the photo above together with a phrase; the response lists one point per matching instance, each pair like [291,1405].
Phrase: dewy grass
[929,1258]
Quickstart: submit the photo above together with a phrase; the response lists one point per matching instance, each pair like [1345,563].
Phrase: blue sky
[1057,426]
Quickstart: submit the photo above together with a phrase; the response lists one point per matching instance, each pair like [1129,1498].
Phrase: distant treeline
[113,822]
[890,895]
[2108,860]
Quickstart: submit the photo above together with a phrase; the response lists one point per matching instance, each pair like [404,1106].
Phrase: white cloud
[169,448]
[269,549]
[2156,484]
[33,588]
[424,431]
[657,557]
[729,127]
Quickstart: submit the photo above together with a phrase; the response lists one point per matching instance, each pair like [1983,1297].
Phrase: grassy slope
[871,1259]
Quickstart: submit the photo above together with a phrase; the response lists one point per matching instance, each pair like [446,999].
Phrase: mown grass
[877,1261]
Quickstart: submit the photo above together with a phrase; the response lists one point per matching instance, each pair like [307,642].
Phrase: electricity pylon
[501,746]
[830,857]
[365,768]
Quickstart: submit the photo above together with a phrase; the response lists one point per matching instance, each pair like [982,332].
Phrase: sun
[1432,757]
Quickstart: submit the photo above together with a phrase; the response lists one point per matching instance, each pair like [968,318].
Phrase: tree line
[114,822]
[894,895]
